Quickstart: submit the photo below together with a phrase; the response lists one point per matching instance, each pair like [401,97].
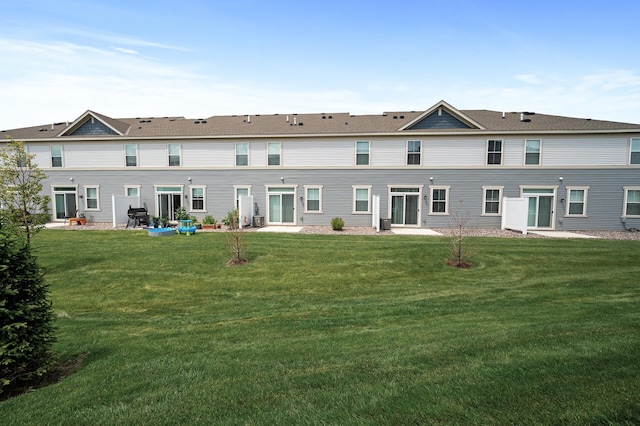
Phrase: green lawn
[338,329]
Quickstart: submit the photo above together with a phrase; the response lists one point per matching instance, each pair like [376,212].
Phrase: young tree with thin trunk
[23,208]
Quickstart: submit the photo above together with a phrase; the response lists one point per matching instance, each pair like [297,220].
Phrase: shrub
[231,219]
[181,214]
[26,316]
[208,220]
[337,224]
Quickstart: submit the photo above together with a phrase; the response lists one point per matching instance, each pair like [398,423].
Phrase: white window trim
[624,204]
[319,198]
[204,198]
[235,154]
[355,154]
[137,154]
[179,154]
[484,200]
[631,151]
[235,193]
[138,187]
[86,198]
[567,200]
[486,156]
[267,159]
[446,206]
[353,206]
[61,157]
[524,158]
[406,153]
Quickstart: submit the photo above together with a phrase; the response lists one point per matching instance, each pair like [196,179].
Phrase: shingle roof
[324,123]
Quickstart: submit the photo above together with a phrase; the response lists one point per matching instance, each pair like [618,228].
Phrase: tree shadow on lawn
[60,370]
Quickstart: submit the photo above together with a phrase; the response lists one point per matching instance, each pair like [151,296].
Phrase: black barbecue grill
[137,216]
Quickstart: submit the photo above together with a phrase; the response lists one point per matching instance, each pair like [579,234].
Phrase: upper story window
[532,151]
[273,153]
[56,156]
[242,154]
[174,154]
[362,153]
[414,152]
[313,199]
[634,156]
[131,155]
[577,201]
[494,151]
[91,198]
[361,199]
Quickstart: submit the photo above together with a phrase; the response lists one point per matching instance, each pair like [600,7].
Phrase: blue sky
[203,58]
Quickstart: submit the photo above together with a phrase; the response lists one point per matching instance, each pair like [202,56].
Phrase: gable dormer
[93,124]
[442,116]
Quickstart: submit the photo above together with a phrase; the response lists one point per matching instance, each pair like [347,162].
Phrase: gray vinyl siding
[153,155]
[605,196]
[575,152]
[388,153]
[42,155]
[208,154]
[513,152]
[82,155]
[455,152]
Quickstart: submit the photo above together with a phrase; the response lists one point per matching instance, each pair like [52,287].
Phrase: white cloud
[529,78]
[127,51]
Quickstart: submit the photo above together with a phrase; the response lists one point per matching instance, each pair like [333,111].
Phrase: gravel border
[364,230]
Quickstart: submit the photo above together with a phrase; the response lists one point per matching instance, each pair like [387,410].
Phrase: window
[439,200]
[91,198]
[313,199]
[240,191]
[361,199]
[273,153]
[56,156]
[494,151]
[131,155]
[491,202]
[197,198]
[362,153]
[242,154]
[413,153]
[631,201]
[532,151]
[132,190]
[577,201]
[174,154]
[634,157]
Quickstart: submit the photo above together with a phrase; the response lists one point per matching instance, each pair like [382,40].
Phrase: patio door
[281,205]
[405,206]
[540,213]
[65,203]
[169,199]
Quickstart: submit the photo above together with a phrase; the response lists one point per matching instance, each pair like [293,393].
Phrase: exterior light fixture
[282,179]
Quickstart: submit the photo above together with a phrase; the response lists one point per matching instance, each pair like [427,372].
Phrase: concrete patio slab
[561,234]
[414,231]
[282,229]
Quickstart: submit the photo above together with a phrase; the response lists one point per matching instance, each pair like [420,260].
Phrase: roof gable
[94,124]
[442,116]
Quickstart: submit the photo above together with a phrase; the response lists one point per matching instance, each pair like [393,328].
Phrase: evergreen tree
[26,329]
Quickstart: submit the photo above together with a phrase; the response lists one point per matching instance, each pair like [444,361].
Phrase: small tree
[23,208]
[460,254]
[235,240]
[26,332]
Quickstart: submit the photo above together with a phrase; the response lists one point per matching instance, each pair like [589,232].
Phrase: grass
[320,329]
